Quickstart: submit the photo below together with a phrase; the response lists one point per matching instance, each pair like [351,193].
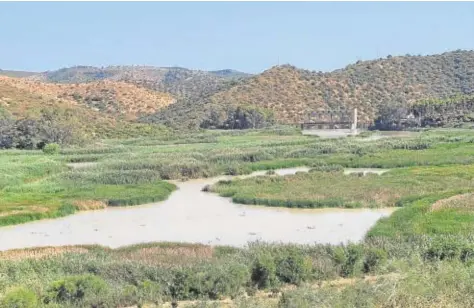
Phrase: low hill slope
[23,99]
[109,97]
[21,103]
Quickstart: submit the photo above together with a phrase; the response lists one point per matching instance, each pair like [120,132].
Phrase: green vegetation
[36,186]
[51,148]
[334,189]
[420,256]
[241,117]
[454,111]
[19,298]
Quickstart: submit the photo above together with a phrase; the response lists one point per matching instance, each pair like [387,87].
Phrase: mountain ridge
[290,92]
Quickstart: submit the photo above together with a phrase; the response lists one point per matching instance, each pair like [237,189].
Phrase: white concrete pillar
[354,121]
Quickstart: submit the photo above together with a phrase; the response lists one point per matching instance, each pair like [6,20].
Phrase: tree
[245,117]
[390,116]
[241,117]
[34,133]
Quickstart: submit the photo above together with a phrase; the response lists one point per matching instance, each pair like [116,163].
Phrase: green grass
[38,186]
[417,219]
[334,189]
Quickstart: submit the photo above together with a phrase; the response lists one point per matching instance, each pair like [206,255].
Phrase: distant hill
[291,93]
[19,74]
[177,81]
[115,98]
[229,73]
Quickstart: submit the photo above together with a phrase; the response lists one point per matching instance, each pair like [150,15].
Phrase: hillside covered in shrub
[291,93]
[33,113]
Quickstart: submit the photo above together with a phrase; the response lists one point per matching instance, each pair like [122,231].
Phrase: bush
[264,271]
[51,148]
[84,289]
[150,292]
[449,249]
[19,298]
[294,268]
[374,258]
[209,281]
[348,259]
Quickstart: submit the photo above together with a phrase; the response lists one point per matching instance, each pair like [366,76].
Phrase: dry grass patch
[88,205]
[40,253]
[464,202]
[169,255]
[25,210]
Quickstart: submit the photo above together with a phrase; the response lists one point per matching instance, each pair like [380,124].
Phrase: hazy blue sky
[248,36]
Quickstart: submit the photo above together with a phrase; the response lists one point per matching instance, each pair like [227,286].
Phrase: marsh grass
[327,186]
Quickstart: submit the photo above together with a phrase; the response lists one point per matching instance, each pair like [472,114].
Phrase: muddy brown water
[192,216]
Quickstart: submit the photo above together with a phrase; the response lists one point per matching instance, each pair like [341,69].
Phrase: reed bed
[327,186]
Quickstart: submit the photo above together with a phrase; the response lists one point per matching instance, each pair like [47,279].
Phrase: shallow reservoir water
[339,133]
[192,216]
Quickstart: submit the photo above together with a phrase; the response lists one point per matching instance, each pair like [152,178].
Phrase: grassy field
[420,256]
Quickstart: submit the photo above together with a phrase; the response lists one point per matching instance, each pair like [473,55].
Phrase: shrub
[293,268]
[150,292]
[225,280]
[264,271]
[51,148]
[348,258]
[447,248]
[85,289]
[374,258]
[19,298]
[129,296]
